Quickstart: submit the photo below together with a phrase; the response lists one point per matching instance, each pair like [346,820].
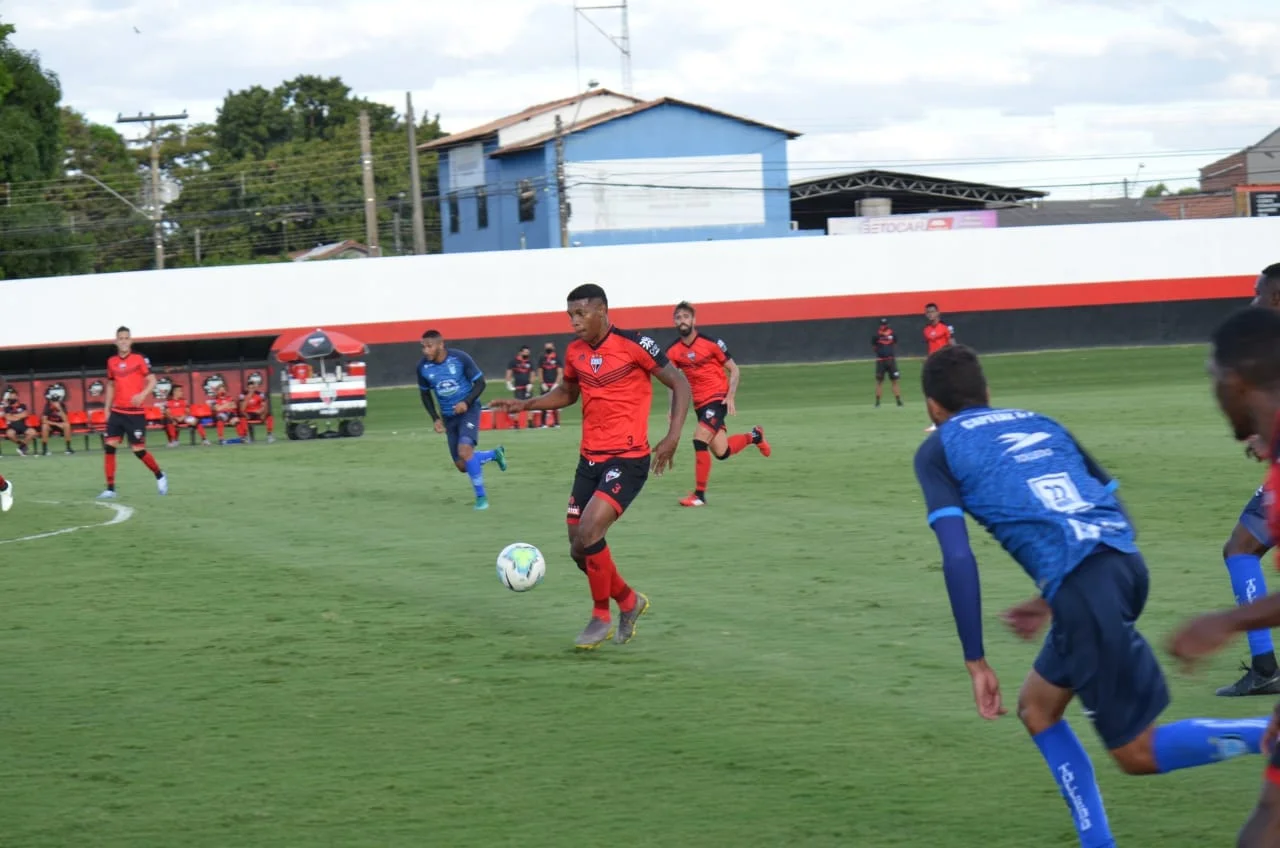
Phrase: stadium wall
[773,300]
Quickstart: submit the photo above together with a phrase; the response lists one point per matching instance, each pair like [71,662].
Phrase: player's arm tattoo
[681,395]
[430,404]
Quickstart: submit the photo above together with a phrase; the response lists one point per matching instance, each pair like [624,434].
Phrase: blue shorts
[1094,648]
[463,429]
[1254,519]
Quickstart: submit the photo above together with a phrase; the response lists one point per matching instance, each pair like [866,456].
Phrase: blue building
[635,171]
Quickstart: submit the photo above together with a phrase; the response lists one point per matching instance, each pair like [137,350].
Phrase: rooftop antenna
[622,41]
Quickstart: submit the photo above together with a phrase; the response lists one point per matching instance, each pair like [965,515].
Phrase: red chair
[79,424]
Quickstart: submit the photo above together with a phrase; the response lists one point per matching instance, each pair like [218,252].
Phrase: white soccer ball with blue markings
[521,567]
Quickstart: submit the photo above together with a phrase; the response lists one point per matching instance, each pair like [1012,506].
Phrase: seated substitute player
[255,409]
[16,428]
[610,370]
[54,417]
[1246,375]
[1249,542]
[885,345]
[457,383]
[129,384]
[226,410]
[177,414]
[704,359]
[1025,479]
[552,374]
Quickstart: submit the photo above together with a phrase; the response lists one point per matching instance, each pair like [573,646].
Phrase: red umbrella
[318,344]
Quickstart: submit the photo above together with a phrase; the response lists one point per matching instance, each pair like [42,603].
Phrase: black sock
[700,495]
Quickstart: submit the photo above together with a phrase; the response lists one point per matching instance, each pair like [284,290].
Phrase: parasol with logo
[318,344]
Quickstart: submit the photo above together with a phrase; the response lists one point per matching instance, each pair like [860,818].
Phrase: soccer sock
[484,456]
[109,466]
[221,429]
[738,442]
[600,575]
[200,432]
[171,430]
[271,424]
[150,461]
[242,428]
[4,484]
[1200,741]
[1073,772]
[701,468]
[1248,584]
[476,474]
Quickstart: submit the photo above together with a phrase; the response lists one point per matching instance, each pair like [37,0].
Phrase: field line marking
[121,513]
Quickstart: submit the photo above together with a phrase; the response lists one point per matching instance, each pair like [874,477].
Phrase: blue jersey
[451,380]
[1024,478]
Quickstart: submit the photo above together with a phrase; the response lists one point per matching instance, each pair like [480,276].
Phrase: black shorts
[713,415]
[132,428]
[886,367]
[59,425]
[523,392]
[616,481]
[19,427]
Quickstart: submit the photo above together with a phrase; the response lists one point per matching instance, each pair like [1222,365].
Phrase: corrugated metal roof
[493,127]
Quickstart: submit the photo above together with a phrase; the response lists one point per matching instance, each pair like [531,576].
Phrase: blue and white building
[635,171]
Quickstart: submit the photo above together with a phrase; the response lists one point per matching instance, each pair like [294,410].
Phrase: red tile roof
[494,127]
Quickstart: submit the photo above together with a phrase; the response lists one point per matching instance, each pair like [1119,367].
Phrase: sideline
[122,513]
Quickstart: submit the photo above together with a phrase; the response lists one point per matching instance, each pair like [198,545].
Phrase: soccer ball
[521,567]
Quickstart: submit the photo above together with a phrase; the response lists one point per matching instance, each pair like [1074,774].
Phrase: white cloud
[935,80]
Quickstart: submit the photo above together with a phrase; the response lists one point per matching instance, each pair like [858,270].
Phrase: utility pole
[157,211]
[370,202]
[197,245]
[415,182]
[560,183]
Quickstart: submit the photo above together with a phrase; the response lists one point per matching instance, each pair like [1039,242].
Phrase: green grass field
[306,644]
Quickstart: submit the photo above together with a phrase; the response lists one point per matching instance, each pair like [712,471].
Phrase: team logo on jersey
[96,389]
[212,383]
[596,361]
[691,356]
[164,387]
[1022,441]
[56,391]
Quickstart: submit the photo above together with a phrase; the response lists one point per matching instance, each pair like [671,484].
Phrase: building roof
[891,181]
[1107,210]
[329,251]
[494,127]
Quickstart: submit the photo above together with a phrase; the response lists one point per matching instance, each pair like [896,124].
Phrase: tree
[35,239]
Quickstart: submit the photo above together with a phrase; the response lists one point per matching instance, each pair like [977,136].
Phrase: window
[482,209]
[528,199]
[453,212]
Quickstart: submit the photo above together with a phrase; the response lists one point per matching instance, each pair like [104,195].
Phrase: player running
[1025,479]
[885,345]
[6,486]
[937,335]
[609,369]
[1249,542]
[457,383]
[129,384]
[704,359]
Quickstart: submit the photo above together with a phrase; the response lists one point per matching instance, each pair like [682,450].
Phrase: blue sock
[483,456]
[1248,584]
[1200,741]
[1073,771]
[476,474]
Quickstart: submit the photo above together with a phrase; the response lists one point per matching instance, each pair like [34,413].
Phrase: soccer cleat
[482,503]
[596,633]
[693,500]
[627,621]
[500,457]
[107,495]
[1252,683]
[758,434]
[899,401]
[6,497]
[162,484]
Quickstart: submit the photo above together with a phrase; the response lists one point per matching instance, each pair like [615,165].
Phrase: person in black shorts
[552,372]
[520,377]
[885,343]
[16,428]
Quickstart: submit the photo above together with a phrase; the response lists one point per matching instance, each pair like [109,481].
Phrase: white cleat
[107,495]
[162,484]
[6,497]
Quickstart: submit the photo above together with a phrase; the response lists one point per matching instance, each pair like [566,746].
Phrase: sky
[1068,96]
